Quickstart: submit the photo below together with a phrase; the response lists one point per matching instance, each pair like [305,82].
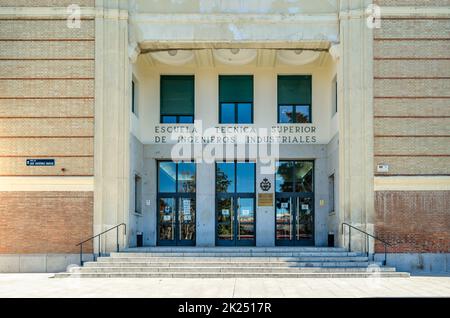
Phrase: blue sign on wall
[40,162]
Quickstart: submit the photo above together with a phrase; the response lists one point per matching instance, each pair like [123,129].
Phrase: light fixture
[235,51]
[298,52]
[173,52]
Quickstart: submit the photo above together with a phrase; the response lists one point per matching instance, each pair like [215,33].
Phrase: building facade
[224,123]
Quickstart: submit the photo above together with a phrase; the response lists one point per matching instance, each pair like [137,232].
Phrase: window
[294,99]
[232,177]
[137,194]
[134,96]
[177,99]
[294,176]
[176,177]
[236,99]
[331,193]
[334,96]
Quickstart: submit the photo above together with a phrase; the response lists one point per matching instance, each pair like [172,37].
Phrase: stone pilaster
[356,120]
[111,195]
[206,219]
[265,215]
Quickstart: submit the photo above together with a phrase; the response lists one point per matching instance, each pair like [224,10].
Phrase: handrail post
[117,239]
[81,254]
[367,245]
[99,247]
[385,254]
[349,239]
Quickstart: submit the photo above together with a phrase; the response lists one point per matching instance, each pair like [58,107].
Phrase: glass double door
[294,216]
[235,220]
[176,221]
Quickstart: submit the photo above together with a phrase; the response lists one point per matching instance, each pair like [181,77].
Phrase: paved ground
[41,285]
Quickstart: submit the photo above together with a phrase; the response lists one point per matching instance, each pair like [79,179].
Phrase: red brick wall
[44,222]
[414,221]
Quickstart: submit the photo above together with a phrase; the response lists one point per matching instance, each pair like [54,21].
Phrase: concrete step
[197,269]
[342,257]
[215,262]
[186,249]
[297,264]
[174,262]
[155,274]
[237,254]
[227,259]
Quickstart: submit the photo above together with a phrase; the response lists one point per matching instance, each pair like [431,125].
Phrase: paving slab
[42,285]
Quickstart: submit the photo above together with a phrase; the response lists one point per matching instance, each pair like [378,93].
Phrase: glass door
[284,215]
[186,221]
[167,220]
[235,203]
[225,219]
[294,203]
[176,203]
[294,220]
[245,221]
[304,219]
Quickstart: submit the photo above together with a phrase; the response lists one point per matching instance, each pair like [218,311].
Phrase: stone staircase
[233,262]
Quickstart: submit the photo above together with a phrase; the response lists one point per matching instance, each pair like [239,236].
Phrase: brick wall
[411,126]
[47,75]
[44,222]
[413,221]
[411,93]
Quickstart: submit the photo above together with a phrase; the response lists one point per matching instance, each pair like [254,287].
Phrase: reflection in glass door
[225,219]
[235,203]
[176,203]
[284,217]
[304,219]
[294,208]
[186,219]
[245,221]
[167,219]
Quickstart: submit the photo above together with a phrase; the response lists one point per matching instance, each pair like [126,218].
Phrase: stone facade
[64,94]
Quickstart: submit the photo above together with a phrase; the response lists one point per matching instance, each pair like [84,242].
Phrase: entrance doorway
[294,203]
[176,203]
[235,204]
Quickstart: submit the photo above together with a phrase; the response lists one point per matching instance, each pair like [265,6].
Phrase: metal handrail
[386,244]
[99,241]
